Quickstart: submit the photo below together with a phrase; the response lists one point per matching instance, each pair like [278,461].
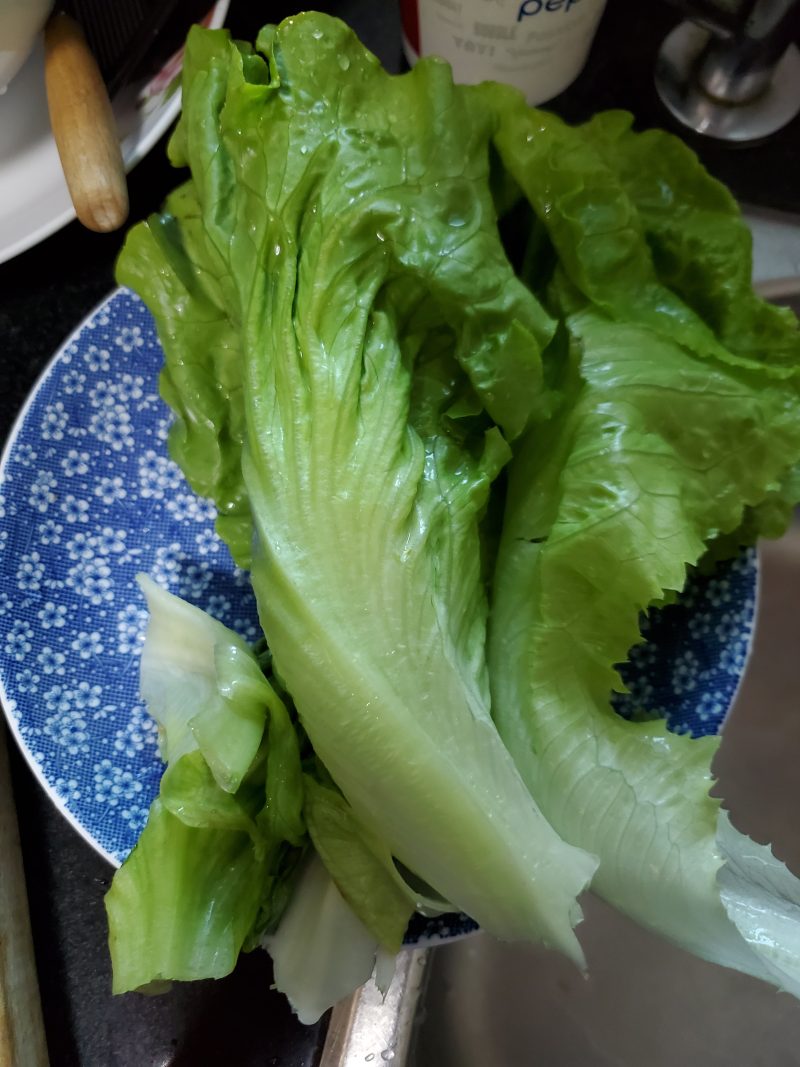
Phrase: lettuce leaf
[203,686]
[213,870]
[321,951]
[659,451]
[350,215]
[398,404]
[202,375]
[702,250]
[360,875]
[599,240]
[699,242]
[183,902]
[682,428]
[209,872]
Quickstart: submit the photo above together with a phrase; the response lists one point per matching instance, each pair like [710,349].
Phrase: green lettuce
[343,219]
[322,951]
[382,902]
[699,242]
[702,249]
[210,871]
[460,457]
[667,436]
[192,305]
[633,491]
[223,853]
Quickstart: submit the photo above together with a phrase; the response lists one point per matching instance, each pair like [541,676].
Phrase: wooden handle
[22,1040]
[84,128]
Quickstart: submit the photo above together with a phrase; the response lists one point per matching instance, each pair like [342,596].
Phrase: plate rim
[167,114]
[5,457]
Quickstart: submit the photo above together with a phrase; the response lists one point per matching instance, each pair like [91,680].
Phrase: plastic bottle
[540,46]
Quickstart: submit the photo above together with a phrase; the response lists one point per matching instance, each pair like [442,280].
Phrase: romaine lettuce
[410,428]
[225,834]
[679,418]
[348,230]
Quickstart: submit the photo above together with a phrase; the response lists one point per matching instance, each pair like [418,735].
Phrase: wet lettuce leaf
[345,222]
[667,436]
[225,833]
[421,425]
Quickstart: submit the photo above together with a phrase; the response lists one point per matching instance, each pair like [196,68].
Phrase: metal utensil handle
[368,1028]
[738,68]
[732,71]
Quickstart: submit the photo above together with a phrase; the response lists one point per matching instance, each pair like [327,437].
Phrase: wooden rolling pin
[84,127]
[22,1040]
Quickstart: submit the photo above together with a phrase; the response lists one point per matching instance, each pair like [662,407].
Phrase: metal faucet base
[677,86]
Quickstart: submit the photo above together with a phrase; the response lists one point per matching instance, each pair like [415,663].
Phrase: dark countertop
[44,293]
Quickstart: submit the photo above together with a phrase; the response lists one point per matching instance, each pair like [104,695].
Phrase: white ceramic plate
[34,201]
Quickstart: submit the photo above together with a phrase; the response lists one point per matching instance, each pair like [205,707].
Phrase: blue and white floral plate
[89,498]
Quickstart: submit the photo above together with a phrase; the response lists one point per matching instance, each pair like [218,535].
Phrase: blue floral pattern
[89,498]
[689,665]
